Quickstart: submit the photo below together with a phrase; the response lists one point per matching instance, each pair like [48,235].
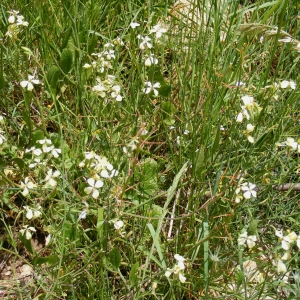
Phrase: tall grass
[135,181]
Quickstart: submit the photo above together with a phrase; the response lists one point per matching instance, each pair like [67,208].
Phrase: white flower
[37,161]
[249,240]
[118,224]
[248,189]
[32,213]
[145,42]
[281,267]
[298,241]
[286,256]
[27,231]
[100,89]
[285,83]
[26,186]
[44,141]
[286,240]
[249,128]
[290,142]
[250,139]
[48,239]
[116,89]
[82,215]
[151,60]
[2,138]
[158,30]
[248,101]
[118,41]
[149,87]
[13,16]
[178,268]
[29,83]
[134,25]
[54,151]
[21,22]
[109,54]
[50,178]
[238,197]
[93,187]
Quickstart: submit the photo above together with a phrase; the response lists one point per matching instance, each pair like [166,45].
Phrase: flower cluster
[287,241]
[145,44]
[249,110]
[178,268]
[102,63]
[16,22]
[290,144]
[98,168]
[107,86]
[42,152]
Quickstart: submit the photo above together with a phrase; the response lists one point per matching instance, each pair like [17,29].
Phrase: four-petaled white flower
[286,240]
[93,187]
[158,30]
[151,60]
[27,230]
[249,190]
[151,87]
[26,186]
[178,268]
[50,178]
[29,83]
[145,42]
[249,240]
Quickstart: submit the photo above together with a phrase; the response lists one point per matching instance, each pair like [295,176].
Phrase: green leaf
[66,60]
[199,161]
[27,244]
[173,187]
[168,111]
[239,278]
[53,76]
[2,81]
[155,75]
[92,44]
[20,163]
[133,278]
[37,135]
[165,90]
[26,118]
[149,176]
[100,223]
[51,260]
[115,258]
[252,229]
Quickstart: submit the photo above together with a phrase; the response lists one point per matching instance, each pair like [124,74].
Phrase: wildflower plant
[134,130]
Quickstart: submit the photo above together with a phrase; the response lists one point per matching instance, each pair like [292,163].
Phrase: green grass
[186,155]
